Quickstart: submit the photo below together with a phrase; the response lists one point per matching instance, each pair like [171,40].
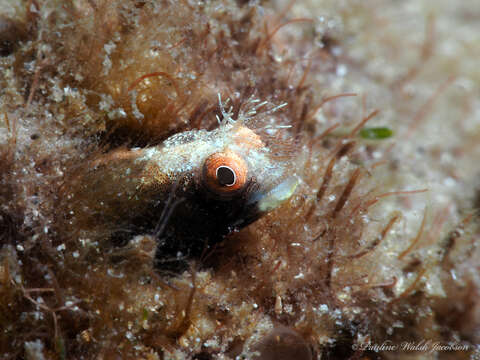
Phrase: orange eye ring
[225,172]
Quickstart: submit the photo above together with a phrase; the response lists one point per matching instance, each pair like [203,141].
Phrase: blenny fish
[189,192]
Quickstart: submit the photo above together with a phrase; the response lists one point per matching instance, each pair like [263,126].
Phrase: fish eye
[225,172]
[226,176]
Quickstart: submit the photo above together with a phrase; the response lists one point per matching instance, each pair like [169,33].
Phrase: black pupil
[225,176]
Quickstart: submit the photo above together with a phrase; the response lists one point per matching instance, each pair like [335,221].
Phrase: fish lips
[236,212]
[261,202]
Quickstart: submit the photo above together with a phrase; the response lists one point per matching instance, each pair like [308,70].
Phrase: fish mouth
[273,198]
[261,203]
[277,195]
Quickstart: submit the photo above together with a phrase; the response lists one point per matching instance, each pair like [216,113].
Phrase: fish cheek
[197,224]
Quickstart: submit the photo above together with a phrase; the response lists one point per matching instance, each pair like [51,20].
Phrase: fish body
[189,192]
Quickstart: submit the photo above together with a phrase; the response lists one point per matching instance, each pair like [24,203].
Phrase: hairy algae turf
[346,261]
